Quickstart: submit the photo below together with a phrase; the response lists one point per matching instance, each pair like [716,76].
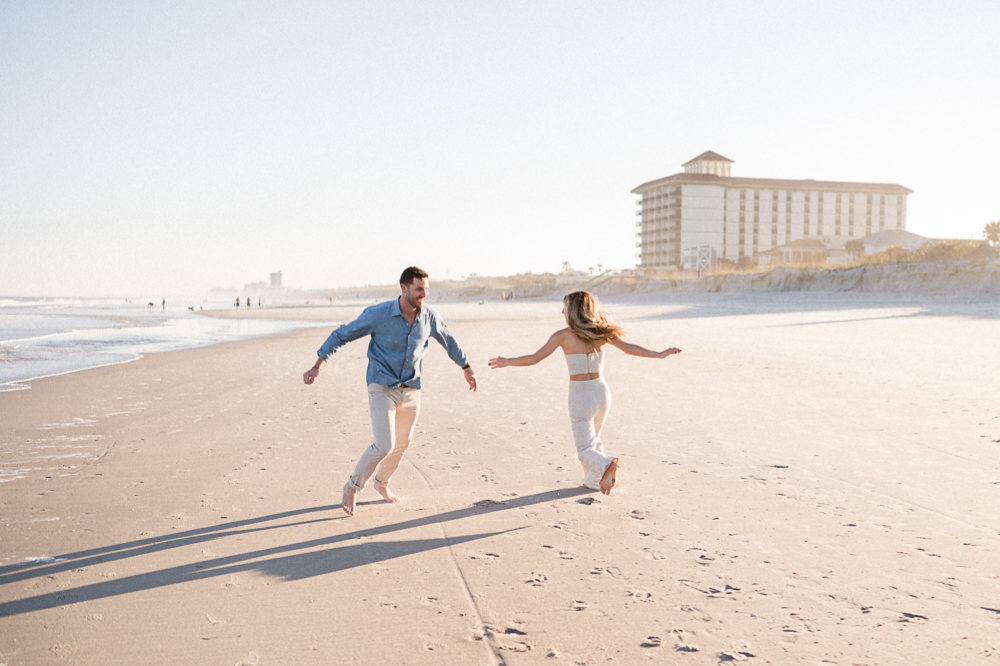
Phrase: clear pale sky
[159,148]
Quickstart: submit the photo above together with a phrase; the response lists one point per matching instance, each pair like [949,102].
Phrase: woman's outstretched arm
[544,352]
[636,350]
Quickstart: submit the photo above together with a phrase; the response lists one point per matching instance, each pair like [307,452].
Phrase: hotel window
[756,222]
[774,218]
[788,216]
[850,215]
[743,223]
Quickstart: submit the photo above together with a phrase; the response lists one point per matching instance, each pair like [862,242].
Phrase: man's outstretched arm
[359,327]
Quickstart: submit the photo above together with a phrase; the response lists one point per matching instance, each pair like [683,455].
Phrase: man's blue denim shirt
[396,350]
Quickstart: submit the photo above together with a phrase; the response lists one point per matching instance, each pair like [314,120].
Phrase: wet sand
[813,480]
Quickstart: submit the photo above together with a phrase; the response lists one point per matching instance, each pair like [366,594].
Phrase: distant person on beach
[248,302]
[582,341]
[400,332]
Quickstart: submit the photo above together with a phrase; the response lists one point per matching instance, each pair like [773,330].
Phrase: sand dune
[813,480]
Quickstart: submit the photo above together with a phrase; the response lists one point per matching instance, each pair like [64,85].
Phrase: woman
[588,331]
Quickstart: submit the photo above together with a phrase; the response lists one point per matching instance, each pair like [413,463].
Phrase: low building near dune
[701,258]
[883,240]
[984,252]
[801,252]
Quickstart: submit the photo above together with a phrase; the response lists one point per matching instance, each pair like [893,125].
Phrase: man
[400,332]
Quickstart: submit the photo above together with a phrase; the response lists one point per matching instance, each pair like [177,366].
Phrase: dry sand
[815,479]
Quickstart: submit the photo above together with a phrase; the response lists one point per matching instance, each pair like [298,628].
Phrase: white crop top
[584,364]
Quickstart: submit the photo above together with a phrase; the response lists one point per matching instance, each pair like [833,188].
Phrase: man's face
[416,292]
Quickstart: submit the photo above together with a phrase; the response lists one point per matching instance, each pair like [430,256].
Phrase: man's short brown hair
[412,273]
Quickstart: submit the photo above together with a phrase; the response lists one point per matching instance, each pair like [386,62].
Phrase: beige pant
[589,403]
[394,415]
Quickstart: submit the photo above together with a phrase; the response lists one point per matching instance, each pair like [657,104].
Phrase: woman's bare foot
[387,494]
[609,480]
[348,500]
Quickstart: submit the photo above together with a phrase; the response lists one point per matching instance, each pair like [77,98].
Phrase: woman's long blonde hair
[585,318]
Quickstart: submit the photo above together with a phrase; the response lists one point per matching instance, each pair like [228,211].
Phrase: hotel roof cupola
[709,162]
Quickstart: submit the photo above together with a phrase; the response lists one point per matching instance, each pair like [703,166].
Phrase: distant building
[883,240]
[741,218]
[698,258]
[983,251]
[799,252]
[276,280]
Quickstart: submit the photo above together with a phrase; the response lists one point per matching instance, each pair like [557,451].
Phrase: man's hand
[310,375]
[470,377]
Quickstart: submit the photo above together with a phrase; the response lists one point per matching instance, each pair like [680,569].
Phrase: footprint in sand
[641,595]
[431,644]
[696,612]
[683,641]
[537,579]
[614,572]
[735,655]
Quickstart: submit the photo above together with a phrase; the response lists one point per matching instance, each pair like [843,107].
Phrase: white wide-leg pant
[589,403]
[394,416]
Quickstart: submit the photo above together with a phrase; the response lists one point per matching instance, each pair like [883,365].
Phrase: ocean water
[53,336]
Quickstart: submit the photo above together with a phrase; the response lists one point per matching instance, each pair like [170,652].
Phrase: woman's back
[571,343]
[585,364]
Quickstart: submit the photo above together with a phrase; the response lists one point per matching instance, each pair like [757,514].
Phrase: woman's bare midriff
[585,377]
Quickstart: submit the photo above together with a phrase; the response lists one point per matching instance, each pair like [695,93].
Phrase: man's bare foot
[609,480]
[348,500]
[387,494]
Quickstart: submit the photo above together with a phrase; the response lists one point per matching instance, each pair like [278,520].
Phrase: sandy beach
[814,480]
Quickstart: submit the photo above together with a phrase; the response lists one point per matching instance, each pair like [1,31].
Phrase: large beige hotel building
[741,218]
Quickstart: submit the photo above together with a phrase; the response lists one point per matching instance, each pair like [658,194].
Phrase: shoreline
[707,300]
[172,334]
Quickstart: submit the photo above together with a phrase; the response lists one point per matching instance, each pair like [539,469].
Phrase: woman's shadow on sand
[284,561]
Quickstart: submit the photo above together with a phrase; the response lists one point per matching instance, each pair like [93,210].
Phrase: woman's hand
[498,362]
[669,352]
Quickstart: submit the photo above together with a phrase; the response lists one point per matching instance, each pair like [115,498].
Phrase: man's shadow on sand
[284,561]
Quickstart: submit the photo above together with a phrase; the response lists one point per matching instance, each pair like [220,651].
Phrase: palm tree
[991,232]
